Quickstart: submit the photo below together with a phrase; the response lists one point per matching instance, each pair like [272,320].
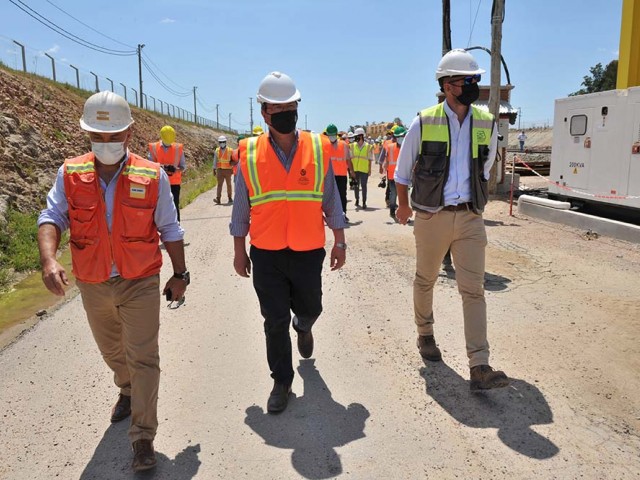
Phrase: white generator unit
[595,157]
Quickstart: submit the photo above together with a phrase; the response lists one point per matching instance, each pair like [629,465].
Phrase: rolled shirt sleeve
[57,211]
[240,213]
[166,216]
[331,203]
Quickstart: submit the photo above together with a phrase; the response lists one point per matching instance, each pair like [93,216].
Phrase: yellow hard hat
[167,134]
[257,130]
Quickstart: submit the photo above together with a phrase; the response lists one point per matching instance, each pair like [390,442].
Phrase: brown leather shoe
[305,344]
[144,458]
[428,348]
[483,377]
[278,398]
[122,408]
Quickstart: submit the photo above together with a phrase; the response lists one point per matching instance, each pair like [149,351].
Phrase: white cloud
[167,20]
[54,49]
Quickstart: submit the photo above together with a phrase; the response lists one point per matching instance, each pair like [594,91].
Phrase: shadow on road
[112,460]
[312,426]
[511,410]
[492,281]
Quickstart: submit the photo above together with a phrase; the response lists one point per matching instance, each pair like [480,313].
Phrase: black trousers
[175,191]
[341,183]
[286,281]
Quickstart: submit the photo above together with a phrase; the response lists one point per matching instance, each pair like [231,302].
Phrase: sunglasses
[467,80]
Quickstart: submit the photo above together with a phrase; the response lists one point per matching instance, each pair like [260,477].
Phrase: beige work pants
[462,231]
[224,175]
[124,316]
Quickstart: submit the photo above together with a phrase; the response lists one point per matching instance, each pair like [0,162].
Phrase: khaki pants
[224,175]
[124,316]
[462,231]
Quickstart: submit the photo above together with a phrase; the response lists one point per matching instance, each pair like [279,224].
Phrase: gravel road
[564,320]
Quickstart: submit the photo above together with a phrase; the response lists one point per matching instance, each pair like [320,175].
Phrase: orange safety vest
[286,207]
[224,159]
[338,156]
[170,156]
[376,150]
[133,242]
[392,150]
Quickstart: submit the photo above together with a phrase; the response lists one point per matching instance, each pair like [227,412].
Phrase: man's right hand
[404,213]
[242,263]
[54,277]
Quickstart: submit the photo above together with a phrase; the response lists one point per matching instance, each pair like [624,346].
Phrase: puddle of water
[29,296]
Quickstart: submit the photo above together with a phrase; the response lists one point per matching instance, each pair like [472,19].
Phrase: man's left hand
[338,257]
[177,287]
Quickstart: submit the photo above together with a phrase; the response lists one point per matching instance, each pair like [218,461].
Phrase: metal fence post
[135,92]
[24,58]
[97,86]
[110,81]
[125,90]
[53,66]
[77,75]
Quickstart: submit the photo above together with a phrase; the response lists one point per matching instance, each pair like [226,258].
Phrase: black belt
[461,206]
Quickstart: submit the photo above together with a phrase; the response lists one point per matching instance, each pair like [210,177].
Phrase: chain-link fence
[19,56]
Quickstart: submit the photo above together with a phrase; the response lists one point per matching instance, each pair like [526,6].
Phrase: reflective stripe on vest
[360,157]
[286,207]
[132,243]
[170,156]
[224,160]
[391,157]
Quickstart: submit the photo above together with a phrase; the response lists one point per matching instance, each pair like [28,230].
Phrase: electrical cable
[474,21]
[162,84]
[164,74]
[88,26]
[74,38]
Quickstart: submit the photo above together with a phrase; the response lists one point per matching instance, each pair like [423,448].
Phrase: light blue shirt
[165,215]
[457,190]
[331,204]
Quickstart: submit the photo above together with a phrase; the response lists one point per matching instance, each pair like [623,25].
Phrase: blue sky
[353,61]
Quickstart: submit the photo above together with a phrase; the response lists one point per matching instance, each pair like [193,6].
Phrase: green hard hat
[400,131]
[240,137]
[331,129]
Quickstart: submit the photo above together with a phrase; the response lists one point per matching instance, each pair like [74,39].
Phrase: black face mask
[284,122]
[470,94]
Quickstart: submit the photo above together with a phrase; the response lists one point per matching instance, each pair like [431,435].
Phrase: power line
[88,26]
[164,74]
[162,84]
[474,20]
[74,38]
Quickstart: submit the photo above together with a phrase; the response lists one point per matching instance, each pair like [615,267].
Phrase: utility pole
[140,47]
[519,117]
[446,26]
[229,122]
[217,118]
[195,112]
[497,17]
[305,121]
[251,113]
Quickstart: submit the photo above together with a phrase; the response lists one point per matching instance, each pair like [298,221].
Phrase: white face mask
[400,140]
[108,153]
[223,146]
[333,138]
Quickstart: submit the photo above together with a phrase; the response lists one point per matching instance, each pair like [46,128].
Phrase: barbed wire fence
[18,56]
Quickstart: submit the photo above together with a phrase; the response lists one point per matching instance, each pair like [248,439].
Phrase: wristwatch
[341,245]
[184,276]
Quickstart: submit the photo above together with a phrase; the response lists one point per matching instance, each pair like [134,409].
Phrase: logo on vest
[303,180]
[481,136]
[137,191]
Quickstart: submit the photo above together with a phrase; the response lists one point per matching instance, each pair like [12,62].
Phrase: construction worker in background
[285,190]
[377,149]
[257,131]
[235,155]
[447,156]
[170,156]
[112,201]
[352,176]
[341,163]
[223,168]
[389,158]
[361,158]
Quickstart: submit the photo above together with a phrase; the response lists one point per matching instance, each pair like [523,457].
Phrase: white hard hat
[350,135]
[106,112]
[359,131]
[277,88]
[457,62]
[222,138]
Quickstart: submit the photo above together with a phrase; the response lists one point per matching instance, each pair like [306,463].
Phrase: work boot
[144,457]
[483,377]
[305,344]
[428,348]
[392,213]
[122,408]
[364,205]
[217,200]
[279,397]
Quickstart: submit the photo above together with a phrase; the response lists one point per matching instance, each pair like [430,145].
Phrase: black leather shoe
[122,408]
[278,398]
[305,344]
[144,457]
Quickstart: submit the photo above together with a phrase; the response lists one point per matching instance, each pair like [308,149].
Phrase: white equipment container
[596,149]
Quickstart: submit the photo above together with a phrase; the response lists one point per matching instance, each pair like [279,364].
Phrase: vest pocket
[84,254]
[137,223]
[81,220]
